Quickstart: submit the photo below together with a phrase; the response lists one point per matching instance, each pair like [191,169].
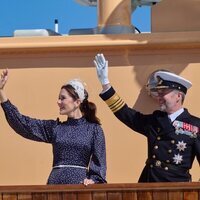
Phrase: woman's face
[67,104]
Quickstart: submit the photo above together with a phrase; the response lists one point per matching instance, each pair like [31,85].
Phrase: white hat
[165,79]
[78,87]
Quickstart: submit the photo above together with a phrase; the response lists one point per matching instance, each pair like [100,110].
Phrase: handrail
[173,186]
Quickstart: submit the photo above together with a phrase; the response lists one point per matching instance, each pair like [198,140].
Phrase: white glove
[102,68]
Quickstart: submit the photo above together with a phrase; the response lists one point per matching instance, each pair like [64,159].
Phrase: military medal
[185,129]
[181,146]
[177,158]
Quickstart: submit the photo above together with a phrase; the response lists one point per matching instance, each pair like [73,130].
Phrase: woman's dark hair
[87,108]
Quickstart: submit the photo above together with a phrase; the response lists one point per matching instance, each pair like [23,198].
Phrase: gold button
[153,156]
[167,161]
[158,129]
[158,163]
[169,151]
[166,168]
[151,166]
[158,138]
[156,147]
[172,141]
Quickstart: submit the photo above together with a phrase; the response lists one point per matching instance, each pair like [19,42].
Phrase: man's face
[169,100]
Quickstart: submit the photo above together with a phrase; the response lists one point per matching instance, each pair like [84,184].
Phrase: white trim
[73,166]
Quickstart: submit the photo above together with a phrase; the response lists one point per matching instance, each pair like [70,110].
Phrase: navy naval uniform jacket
[172,146]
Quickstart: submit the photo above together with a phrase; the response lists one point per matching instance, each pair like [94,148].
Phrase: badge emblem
[181,146]
[185,129]
[177,158]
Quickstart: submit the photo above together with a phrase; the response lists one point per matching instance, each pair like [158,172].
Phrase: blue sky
[40,14]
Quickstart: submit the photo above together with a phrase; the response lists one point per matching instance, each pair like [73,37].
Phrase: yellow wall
[39,66]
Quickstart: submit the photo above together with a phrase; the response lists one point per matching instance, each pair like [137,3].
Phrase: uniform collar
[174,115]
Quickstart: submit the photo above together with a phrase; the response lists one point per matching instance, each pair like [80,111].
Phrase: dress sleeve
[97,166]
[33,129]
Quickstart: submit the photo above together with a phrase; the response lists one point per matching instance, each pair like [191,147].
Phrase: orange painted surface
[39,66]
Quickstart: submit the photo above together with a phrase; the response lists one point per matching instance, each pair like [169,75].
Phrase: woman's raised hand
[4,78]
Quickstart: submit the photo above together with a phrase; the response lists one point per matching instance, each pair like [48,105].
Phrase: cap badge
[160,82]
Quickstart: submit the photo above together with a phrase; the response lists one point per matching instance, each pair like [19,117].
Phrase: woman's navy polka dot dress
[78,145]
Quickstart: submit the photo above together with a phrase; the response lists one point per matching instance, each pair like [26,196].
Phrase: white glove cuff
[105,81]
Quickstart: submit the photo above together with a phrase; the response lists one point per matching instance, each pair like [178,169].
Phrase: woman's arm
[34,129]
[3,81]
[97,166]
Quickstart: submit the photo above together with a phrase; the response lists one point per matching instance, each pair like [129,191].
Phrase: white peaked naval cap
[165,79]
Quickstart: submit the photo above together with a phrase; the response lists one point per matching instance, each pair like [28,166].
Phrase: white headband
[78,87]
